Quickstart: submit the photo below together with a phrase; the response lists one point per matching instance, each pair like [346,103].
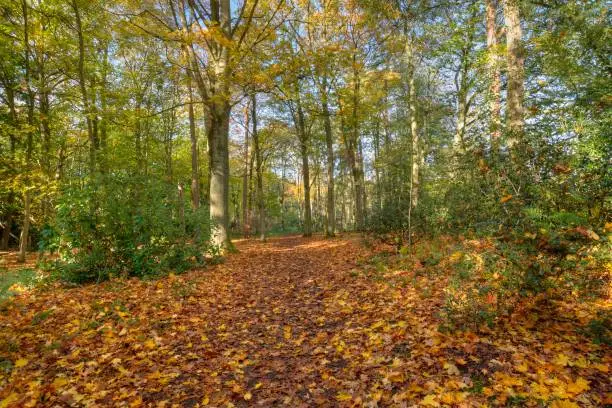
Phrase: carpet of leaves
[291,322]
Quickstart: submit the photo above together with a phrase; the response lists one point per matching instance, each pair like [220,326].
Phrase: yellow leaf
[12,397]
[577,387]
[509,381]
[247,396]
[136,403]
[287,332]
[344,396]
[522,368]
[456,256]
[59,382]
[150,344]
[506,198]
[561,360]
[451,369]
[453,397]
[430,401]
[581,362]
[205,400]
[563,404]
[540,390]
[258,385]
[376,396]
[21,362]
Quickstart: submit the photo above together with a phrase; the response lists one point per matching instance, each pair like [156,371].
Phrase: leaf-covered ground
[292,322]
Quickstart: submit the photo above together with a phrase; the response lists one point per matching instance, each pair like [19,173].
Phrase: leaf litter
[289,322]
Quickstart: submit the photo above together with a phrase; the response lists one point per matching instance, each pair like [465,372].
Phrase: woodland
[302,203]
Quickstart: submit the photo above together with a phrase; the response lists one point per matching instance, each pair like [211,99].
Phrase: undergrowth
[481,281]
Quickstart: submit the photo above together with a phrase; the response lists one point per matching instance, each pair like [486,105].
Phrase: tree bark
[329,143]
[215,91]
[25,228]
[261,210]
[516,73]
[181,206]
[303,138]
[352,150]
[218,133]
[495,76]
[93,142]
[245,177]
[414,130]
[10,200]
[195,170]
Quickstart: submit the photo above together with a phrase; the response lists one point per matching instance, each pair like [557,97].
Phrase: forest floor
[291,322]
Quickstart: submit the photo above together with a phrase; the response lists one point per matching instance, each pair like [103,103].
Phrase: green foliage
[14,281]
[600,329]
[126,225]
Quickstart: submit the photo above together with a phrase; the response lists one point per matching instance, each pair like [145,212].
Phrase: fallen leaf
[430,401]
[22,362]
[343,396]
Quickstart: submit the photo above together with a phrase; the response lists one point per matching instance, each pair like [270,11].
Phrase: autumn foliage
[298,322]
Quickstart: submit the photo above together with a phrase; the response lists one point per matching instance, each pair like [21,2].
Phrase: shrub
[487,284]
[120,224]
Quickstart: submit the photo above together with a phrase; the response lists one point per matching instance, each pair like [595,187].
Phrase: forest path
[284,322]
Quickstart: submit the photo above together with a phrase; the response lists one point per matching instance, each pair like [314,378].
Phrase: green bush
[126,225]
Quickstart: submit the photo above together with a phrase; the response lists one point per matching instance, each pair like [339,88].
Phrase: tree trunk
[218,134]
[195,171]
[25,229]
[103,108]
[329,142]
[282,196]
[364,193]
[303,138]
[261,216]
[495,76]
[462,108]
[414,130]
[216,92]
[46,146]
[181,206]
[377,186]
[10,99]
[83,86]
[353,153]
[515,60]
[245,177]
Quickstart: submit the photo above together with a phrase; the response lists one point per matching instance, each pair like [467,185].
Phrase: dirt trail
[264,327]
